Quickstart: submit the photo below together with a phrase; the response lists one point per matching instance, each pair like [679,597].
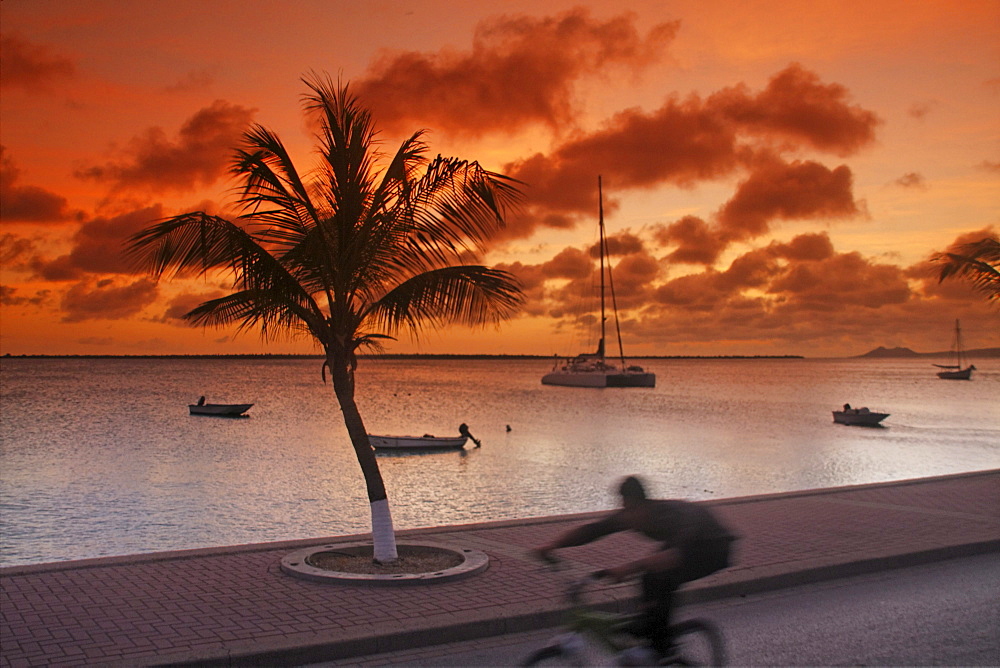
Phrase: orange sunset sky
[777,174]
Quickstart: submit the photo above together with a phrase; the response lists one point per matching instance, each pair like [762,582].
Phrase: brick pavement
[234,605]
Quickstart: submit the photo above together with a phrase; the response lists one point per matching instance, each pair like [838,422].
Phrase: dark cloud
[31,67]
[692,140]
[785,297]
[15,251]
[695,240]
[695,291]
[569,263]
[912,180]
[793,290]
[776,190]
[27,204]
[754,269]
[845,279]
[520,70]
[773,191]
[797,106]
[622,243]
[9,297]
[98,246]
[107,299]
[815,246]
[633,278]
[971,237]
[183,304]
[199,155]
[678,144]
[919,110]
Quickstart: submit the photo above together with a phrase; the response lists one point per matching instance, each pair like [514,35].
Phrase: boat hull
[859,418]
[599,379]
[417,442]
[219,410]
[961,374]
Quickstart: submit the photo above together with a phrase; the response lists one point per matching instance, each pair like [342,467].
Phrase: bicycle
[695,642]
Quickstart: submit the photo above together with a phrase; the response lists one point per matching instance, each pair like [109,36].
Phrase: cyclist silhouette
[693,544]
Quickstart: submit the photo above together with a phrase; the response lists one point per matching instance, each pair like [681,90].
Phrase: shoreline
[406,356]
[982,353]
[298,543]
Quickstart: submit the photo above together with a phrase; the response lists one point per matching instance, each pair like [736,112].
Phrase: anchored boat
[425,442]
[955,371]
[595,369]
[218,410]
[860,417]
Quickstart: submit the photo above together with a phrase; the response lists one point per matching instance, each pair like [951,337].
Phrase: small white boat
[426,442]
[859,417]
[219,410]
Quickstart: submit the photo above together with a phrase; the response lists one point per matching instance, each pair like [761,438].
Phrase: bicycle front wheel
[697,642]
[543,655]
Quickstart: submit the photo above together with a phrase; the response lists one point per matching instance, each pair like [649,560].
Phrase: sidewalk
[234,605]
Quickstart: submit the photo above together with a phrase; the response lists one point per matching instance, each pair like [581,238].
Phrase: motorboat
[596,369]
[425,442]
[218,410]
[958,370]
[861,417]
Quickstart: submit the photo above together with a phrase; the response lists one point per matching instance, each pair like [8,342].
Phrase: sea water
[100,457]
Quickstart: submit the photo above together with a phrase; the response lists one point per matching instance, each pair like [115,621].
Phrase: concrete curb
[429,632]
[297,565]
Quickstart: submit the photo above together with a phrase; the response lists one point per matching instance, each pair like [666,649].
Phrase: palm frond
[351,247]
[198,243]
[266,311]
[978,262]
[273,192]
[469,295]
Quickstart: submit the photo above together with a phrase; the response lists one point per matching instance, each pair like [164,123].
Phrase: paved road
[944,613]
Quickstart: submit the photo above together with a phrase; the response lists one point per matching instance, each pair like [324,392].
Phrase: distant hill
[883,352]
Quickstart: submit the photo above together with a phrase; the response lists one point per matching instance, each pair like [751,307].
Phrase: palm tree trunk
[383,535]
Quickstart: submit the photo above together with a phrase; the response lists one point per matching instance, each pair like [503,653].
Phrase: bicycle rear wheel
[697,642]
[542,655]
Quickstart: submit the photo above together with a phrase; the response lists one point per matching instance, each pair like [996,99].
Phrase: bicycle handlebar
[574,591]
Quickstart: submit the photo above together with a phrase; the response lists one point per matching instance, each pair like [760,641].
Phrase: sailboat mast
[958,344]
[600,210]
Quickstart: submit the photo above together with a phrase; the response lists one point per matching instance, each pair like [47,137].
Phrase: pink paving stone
[237,598]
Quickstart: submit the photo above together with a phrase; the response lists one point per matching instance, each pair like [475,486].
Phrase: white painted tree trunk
[383,536]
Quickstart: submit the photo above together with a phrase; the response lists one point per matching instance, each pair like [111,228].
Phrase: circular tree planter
[353,563]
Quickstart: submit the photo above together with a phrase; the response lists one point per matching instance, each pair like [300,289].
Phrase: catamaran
[595,369]
[956,371]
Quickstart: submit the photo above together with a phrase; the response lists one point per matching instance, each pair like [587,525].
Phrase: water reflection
[117,465]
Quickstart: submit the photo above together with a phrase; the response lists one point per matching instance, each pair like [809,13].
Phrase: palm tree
[361,248]
[978,262]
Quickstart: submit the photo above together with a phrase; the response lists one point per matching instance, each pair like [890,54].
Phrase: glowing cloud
[198,157]
[27,204]
[520,70]
[106,299]
[31,67]
[687,141]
